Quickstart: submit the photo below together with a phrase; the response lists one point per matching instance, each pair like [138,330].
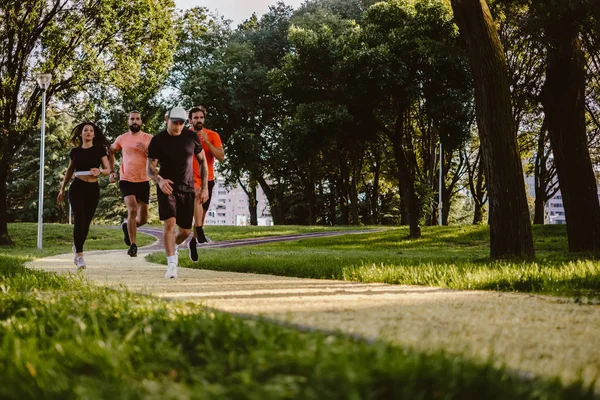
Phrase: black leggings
[83,197]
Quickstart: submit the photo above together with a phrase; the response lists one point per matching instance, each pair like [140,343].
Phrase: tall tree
[510,228]
[475,179]
[563,98]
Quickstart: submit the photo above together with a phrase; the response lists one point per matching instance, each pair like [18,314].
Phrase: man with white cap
[173,149]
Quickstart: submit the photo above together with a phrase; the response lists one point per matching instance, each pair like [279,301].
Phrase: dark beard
[198,129]
[135,128]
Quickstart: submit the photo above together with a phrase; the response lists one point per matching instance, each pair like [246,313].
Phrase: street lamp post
[440,207]
[43,81]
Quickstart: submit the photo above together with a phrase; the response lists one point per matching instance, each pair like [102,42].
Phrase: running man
[173,149]
[133,178]
[213,148]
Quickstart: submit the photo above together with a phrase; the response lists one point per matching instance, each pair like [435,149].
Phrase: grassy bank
[451,257]
[58,238]
[62,338]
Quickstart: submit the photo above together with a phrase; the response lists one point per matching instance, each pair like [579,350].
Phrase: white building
[554,210]
[229,206]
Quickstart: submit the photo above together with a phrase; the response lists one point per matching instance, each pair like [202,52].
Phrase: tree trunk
[403,212]
[343,187]
[476,185]
[253,205]
[540,179]
[407,189]
[563,98]
[510,228]
[478,213]
[357,163]
[375,194]
[332,202]
[323,209]
[276,211]
[446,203]
[407,181]
[5,240]
[539,217]
[311,198]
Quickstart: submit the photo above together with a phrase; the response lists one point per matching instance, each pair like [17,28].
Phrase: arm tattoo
[203,169]
[151,169]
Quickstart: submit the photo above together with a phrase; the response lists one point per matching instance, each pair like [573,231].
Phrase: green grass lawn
[61,338]
[452,257]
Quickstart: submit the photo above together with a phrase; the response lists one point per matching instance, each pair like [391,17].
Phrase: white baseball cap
[177,114]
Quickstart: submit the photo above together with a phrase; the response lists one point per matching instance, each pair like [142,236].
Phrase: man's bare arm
[151,169]
[217,152]
[203,169]
[111,157]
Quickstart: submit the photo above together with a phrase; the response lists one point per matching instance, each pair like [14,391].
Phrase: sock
[199,232]
[171,259]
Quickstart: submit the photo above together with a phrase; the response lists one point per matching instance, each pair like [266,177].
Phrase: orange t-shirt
[215,140]
[135,150]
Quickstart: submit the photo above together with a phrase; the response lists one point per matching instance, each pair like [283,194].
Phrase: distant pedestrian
[174,149]
[133,178]
[88,160]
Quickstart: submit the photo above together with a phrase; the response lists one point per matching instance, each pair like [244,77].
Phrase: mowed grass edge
[449,257]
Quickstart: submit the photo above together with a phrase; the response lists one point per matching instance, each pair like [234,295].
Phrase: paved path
[158,233]
[537,335]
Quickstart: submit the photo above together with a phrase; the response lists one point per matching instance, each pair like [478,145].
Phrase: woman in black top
[90,154]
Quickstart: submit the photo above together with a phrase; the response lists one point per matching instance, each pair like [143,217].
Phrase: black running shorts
[179,205]
[141,190]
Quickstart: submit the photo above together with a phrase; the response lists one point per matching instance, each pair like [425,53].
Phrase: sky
[236,10]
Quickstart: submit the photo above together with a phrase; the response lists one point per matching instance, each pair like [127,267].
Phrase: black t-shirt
[86,159]
[175,156]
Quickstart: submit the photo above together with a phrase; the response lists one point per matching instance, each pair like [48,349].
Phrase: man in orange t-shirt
[134,180]
[213,148]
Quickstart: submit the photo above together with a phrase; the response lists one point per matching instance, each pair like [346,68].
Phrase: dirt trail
[537,335]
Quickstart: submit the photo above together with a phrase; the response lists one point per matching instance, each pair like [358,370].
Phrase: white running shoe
[171,271]
[80,263]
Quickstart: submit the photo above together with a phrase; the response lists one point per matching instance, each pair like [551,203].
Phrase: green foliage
[23,181]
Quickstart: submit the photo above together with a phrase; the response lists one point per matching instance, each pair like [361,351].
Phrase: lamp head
[43,80]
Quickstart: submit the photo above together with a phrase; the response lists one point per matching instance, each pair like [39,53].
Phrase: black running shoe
[132,250]
[193,251]
[125,234]
[202,238]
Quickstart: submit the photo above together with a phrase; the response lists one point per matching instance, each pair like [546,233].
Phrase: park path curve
[536,335]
